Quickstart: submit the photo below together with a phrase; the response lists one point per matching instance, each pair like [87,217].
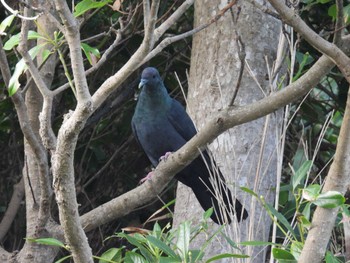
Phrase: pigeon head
[150,77]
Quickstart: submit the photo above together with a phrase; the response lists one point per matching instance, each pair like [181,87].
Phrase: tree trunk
[245,154]
[33,252]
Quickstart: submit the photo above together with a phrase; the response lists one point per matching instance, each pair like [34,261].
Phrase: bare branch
[172,19]
[322,45]
[133,63]
[169,40]
[339,22]
[62,161]
[146,12]
[15,12]
[72,35]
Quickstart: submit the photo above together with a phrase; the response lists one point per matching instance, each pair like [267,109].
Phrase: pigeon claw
[165,156]
[146,178]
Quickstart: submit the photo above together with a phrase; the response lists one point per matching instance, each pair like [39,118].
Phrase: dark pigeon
[161,125]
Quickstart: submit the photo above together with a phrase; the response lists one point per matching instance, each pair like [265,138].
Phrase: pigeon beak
[142,83]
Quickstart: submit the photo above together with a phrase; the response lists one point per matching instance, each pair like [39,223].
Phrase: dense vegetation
[108,161]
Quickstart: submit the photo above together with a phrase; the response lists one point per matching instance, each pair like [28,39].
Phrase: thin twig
[339,22]
[15,12]
[169,40]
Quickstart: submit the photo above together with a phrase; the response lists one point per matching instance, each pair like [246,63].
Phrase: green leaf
[332,11]
[19,69]
[183,238]
[347,14]
[307,211]
[45,54]
[330,199]
[169,260]
[301,173]
[132,257]
[63,259]
[304,221]
[283,256]
[311,192]
[112,254]
[330,258]
[323,1]
[230,241]
[303,60]
[195,255]
[85,5]
[226,255]
[207,214]
[88,51]
[247,190]
[280,218]
[257,243]
[296,248]
[164,247]
[138,241]
[48,241]
[6,23]
[14,40]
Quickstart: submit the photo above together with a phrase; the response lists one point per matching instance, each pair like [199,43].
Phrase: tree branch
[12,209]
[224,120]
[169,40]
[331,50]
[337,180]
[172,19]
[34,142]
[72,35]
[133,63]
[62,160]
[339,22]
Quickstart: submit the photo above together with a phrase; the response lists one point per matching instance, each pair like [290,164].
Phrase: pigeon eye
[154,76]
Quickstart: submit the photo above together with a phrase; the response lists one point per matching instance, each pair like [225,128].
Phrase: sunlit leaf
[247,190]
[183,238]
[19,69]
[330,258]
[48,241]
[311,192]
[330,199]
[257,243]
[6,23]
[86,5]
[301,173]
[296,248]
[14,40]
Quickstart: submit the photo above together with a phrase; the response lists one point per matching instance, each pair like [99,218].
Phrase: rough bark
[247,153]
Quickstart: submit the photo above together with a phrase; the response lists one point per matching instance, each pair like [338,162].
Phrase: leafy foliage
[159,245]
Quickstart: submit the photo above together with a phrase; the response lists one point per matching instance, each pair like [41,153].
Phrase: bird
[161,126]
